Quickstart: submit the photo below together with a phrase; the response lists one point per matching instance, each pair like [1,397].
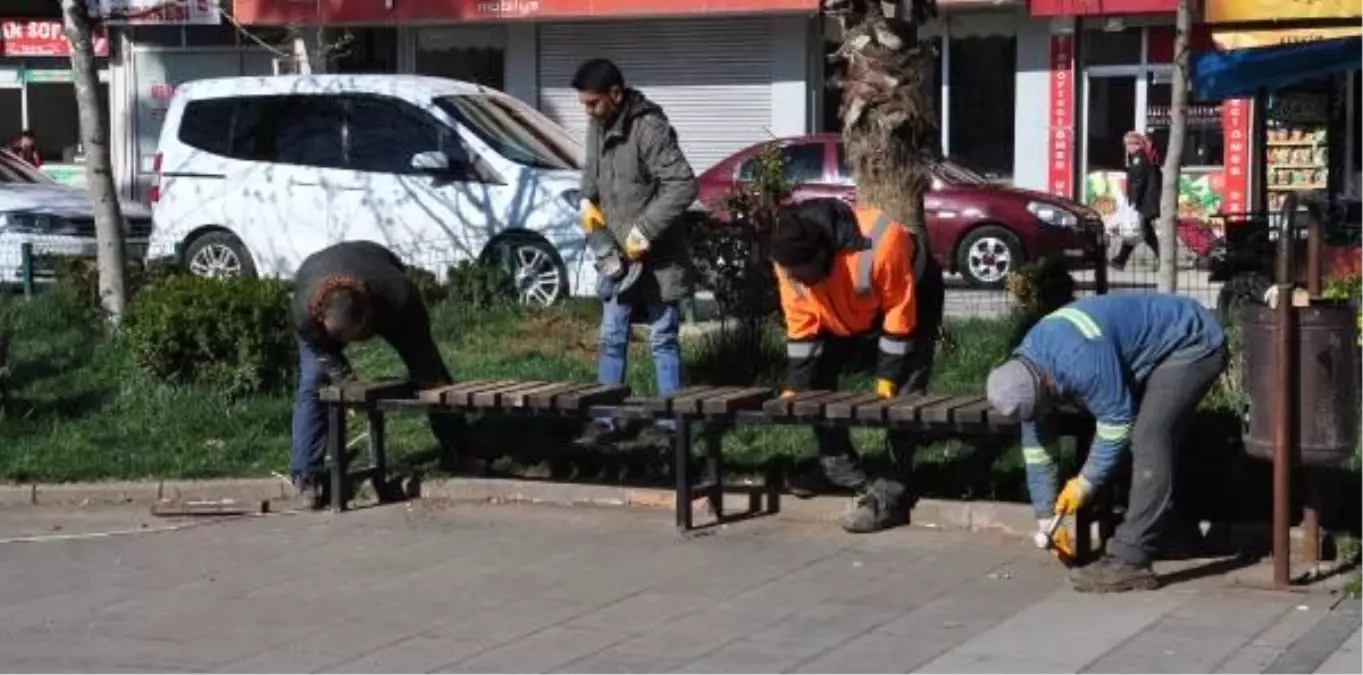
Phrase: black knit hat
[794,240]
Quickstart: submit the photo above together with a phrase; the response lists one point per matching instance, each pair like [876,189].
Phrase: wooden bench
[717,408]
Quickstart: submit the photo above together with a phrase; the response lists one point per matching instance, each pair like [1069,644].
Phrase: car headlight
[1052,214]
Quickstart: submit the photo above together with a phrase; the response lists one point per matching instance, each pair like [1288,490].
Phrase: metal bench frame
[719,409]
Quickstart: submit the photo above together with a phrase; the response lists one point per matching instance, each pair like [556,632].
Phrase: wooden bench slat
[663,404]
[463,396]
[972,413]
[451,393]
[492,398]
[601,394]
[873,411]
[906,409]
[843,410]
[813,407]
[434,394]
[368,392]
[329,394]
[735,400]
[941,413]
[691,403]
[521,399]
[784,407]
[544,400]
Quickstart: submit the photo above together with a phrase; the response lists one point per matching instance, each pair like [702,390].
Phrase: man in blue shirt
[1140,363]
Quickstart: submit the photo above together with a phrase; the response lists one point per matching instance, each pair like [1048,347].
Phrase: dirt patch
[554,332]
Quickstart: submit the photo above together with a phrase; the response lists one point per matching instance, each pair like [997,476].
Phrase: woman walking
[1143,183]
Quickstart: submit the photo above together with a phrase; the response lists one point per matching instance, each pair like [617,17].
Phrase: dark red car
[978,229]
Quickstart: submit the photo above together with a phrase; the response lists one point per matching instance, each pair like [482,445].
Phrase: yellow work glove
[1076,493]
[884,388]
[788,394]
[636,245]
[1060,544]
[592,217]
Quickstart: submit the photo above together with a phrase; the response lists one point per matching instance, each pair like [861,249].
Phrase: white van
[253,174]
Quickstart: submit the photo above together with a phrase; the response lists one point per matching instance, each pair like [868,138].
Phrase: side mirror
[434,162]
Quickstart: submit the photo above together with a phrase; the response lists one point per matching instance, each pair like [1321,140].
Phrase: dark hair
[346,307]
[598,76]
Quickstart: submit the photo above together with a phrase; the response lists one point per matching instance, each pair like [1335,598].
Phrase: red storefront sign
[41,37]
[389,11]
[1060,150]
[1235,124]
[1088,7]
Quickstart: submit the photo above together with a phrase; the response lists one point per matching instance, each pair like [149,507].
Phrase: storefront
[37,94]
[728,74]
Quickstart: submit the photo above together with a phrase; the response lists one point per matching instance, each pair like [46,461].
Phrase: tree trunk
[94,134]
[1173,157]
[888,117]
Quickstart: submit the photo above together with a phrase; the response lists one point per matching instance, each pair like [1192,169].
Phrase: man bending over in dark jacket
[348,293]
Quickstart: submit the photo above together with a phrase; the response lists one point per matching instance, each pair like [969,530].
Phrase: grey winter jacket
[638,176]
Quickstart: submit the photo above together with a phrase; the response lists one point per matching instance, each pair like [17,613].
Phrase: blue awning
[1243,72]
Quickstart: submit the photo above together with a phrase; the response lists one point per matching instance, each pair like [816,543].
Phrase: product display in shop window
[1200,195]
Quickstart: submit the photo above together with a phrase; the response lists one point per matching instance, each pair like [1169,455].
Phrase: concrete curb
[1001,517]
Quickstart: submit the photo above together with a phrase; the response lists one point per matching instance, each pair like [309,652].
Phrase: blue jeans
[308,448]
[664,323]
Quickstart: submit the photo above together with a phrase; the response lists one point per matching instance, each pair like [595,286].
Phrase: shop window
[476,55]
[800,163]
[1111,48]
[1204,144]
[384,134]
[364,50]
[1111,113]
[981,104]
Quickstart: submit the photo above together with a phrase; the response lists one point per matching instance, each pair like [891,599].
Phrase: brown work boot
[1112,575]
[309,493]
[878,506]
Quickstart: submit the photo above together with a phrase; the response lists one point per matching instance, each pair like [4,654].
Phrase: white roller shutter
[712,77]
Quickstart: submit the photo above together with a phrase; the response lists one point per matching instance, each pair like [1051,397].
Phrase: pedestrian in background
[27,149]
[1144,180]
[638,182]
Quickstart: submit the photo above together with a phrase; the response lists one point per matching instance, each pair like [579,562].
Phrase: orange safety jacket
[871,281]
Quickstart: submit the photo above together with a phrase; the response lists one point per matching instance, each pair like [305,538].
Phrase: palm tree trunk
[1173,157]
[888,117]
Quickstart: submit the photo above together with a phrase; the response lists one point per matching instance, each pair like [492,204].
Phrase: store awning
[1243,72]
[387,12]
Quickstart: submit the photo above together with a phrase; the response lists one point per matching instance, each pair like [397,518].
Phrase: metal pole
[1284,400]
[26,267]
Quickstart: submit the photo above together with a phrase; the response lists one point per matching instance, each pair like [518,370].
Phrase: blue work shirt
[1098,351]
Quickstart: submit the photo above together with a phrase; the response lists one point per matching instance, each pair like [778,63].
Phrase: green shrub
[78,275]
[233,334]
[430,288]
[479,286]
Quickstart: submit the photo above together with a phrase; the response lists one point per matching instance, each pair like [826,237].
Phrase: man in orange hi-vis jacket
[845,275]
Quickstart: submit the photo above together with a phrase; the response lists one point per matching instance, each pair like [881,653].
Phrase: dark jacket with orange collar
[869,288]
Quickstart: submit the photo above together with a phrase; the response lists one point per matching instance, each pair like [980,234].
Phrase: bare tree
[1173,158]
[888,117]
[94,134]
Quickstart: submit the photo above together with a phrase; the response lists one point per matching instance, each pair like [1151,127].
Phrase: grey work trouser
[1172,392]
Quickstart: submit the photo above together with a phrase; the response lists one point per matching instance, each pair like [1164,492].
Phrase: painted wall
[1031,111]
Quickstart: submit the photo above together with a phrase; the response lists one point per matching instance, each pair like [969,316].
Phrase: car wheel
[536,267]
[1243,289]
[218,255]
[987,255]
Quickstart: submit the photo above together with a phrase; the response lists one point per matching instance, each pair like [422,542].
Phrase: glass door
[1110,111]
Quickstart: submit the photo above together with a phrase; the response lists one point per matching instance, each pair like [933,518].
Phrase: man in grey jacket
[639,184]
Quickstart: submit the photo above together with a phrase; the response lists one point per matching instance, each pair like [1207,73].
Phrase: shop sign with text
[137,12]
[1233,11]
[1091,7]
[42,37]
[1060,150]
[1235,117]
[277,12]
[1246,39]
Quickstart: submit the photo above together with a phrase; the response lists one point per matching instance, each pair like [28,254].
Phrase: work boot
[1118,261]
[878,506]
[598,433]
[1113,575]
[835,473]
[309,493]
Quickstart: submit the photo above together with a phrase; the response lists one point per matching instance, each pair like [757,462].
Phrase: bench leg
[378,455]
[336,446]
[681,446]
[714,468]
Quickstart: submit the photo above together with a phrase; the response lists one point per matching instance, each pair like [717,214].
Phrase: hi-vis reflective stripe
[802,350]
[1113,432]
[1036,456]
[1080,320]
[894,346]
[867,257]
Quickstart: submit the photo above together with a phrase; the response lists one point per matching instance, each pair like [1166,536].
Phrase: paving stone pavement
[430,588]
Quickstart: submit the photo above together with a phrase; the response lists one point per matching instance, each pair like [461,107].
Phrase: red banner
[386,11]
[1235,125]
[1089,7]
[1060,153]
[41,37]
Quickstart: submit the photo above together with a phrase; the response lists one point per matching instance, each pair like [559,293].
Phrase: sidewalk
[420,587]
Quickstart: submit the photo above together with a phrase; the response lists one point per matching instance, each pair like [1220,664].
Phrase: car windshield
[515,131]
[15,170]
[957,174]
